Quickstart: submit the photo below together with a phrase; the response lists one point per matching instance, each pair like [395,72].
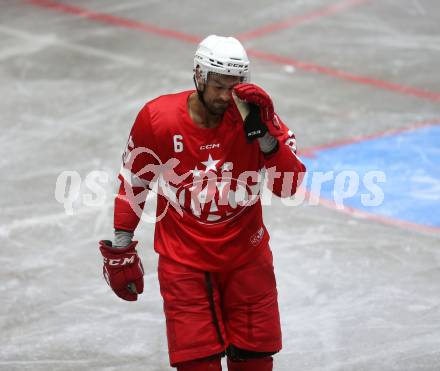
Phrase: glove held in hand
[254,94]
[123,270]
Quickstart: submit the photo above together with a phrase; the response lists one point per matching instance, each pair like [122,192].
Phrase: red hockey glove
[123,270]
[254,94]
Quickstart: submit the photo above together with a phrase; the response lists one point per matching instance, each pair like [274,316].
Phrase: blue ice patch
[410,162]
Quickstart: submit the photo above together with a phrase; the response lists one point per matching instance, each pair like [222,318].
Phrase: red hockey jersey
[208,181]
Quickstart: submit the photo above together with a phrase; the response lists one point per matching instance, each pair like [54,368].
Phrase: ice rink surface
[358,291]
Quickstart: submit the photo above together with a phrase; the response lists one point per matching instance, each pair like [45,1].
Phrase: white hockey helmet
[223,55]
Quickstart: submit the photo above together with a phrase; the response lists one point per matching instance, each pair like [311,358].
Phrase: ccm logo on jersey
[119,262]
[210,146]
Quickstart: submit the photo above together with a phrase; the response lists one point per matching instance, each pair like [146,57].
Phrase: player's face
[218,92]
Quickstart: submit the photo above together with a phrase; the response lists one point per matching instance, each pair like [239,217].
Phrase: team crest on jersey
[211,194]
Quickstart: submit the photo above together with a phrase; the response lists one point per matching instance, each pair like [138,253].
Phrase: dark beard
[216,111]
[209,107]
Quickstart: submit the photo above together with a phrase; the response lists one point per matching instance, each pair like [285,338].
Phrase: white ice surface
[354,295]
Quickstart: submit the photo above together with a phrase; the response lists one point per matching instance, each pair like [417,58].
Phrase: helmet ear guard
[198,79]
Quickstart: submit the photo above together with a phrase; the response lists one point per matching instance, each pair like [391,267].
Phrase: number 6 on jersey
[178,144]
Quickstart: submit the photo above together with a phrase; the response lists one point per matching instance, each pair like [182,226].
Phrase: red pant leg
[191,332]
[250,305]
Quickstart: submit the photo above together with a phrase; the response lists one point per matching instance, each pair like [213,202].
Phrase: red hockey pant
[245,303]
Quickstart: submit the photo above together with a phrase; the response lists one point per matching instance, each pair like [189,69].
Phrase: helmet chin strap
[199,92]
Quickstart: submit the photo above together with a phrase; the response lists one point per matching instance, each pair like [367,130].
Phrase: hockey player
[207,151]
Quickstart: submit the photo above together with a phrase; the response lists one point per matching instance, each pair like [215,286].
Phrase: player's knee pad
[237,354]
[212,363]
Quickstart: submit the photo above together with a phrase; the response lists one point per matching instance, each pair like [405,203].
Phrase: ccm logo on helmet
[235,65]
[119,262]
